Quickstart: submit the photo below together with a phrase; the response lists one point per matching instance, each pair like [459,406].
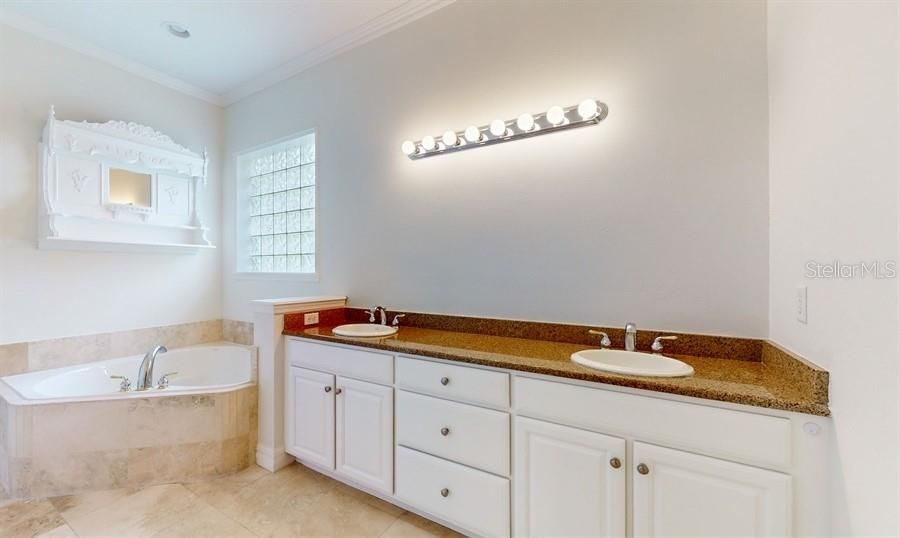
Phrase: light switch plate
[801,304]
[311,318]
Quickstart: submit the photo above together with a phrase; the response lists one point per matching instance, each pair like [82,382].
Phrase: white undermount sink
[618,361]
[364,330]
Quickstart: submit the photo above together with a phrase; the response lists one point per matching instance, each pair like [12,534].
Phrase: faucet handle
[396,321]
[657,345]
[604,338]
[125,385]
[164,380]
[371,313]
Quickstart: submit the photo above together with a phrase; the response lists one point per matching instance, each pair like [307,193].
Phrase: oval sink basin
[618,361]
[364,330]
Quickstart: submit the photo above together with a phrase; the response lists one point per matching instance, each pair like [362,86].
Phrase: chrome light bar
[588,112]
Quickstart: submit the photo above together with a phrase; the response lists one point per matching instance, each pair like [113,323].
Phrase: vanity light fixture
[557,118]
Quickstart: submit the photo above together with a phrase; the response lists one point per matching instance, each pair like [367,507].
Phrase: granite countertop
[776,382]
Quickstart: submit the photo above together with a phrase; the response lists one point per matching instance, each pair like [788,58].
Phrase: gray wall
[658,216]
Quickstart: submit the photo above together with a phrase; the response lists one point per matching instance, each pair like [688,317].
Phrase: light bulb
[525,122]
[498,128]
[473,134]
[556,115]
[587,109]
[428,143]
[450,139]
[408,147]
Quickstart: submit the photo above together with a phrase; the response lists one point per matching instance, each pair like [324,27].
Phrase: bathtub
[71,430]
[207,368]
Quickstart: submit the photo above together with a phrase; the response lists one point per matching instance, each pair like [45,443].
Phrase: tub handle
[125,385]
[164,380]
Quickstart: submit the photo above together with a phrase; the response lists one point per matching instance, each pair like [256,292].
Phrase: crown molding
[41,31]
[377,27]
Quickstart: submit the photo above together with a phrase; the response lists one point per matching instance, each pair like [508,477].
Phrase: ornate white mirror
[118,186]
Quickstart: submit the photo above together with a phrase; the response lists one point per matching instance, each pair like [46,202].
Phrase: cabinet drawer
[463,433]
[471,499]
[726,433]
[349,362]
[454,382]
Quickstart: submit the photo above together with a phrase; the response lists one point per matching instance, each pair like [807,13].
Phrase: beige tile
[173,463]
[28,518]
[205,522]
[262,504]
[82,504]
[172,420]
[134,342]
[334,513]
[371,500]
[144,513]
[410,525]
[73,428]
[13,359]
[239,332]
[60,352]
[69,473]
[63,531]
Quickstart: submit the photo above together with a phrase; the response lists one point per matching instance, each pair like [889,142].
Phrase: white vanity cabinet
[677,493]
[500,453]
[342,423]
[569,482]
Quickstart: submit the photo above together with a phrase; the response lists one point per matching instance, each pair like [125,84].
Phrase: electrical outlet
[311,318]
[801,304]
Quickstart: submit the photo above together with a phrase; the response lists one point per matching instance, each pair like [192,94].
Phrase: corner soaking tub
[70,430]
[208,368]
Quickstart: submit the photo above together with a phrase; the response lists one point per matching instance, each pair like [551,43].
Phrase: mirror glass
[129,188]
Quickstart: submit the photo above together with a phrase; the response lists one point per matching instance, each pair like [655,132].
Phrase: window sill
[297,277]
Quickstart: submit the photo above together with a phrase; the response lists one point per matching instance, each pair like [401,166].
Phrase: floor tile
[81,504]
[28,518]
[63,531]
[205,522]
[142,513]
[333,514]
[410,525]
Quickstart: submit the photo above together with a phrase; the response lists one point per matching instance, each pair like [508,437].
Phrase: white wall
[834,184]
[46,294]
[658,216]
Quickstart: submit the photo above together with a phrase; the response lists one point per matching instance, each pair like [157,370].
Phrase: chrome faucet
[382,313]
[145,372]
[630,336]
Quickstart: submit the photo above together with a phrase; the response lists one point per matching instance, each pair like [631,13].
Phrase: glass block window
[279,208]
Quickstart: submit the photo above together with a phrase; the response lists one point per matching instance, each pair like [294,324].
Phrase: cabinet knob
[643,469]
[338,391]
[327,389]
[445,381]
[615,463]
[445,431]
[445,492]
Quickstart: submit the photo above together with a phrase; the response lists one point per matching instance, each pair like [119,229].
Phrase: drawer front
[725,433]
[453,382]
[473,500]
[463,433]
[345,361]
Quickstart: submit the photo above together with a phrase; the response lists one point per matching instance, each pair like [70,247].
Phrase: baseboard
[272,459]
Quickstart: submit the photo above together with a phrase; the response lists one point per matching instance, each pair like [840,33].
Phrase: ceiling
[237,47]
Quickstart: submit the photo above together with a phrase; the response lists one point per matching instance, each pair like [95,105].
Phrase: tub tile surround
[737,370]
[25,357]
[62,448]
[294,501]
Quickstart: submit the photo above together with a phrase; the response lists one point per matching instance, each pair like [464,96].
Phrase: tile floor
[295,501]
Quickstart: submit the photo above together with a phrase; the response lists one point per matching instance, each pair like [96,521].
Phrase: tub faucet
[145,372]
[630,336]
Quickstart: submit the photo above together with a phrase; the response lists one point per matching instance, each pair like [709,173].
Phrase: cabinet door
[365,433]
[683,494]
[568,482]
[309,416]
